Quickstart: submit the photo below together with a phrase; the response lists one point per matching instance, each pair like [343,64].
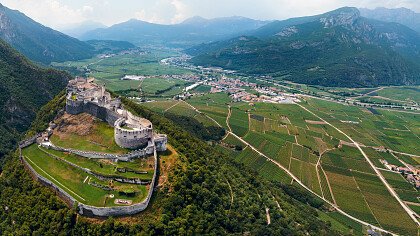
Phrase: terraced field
[323,158]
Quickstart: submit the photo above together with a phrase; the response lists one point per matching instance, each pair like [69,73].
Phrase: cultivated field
[320,156]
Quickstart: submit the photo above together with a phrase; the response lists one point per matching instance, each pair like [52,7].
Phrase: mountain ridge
[401,15]
[192,31]
[348,50]
[37,42]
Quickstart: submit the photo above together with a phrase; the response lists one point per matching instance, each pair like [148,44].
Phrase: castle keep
[130,131]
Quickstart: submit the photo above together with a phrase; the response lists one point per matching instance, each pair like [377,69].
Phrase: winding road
[408,210]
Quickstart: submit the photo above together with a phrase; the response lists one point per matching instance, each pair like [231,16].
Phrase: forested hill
[338,48]
[207,194]
[24,88]
[37,42]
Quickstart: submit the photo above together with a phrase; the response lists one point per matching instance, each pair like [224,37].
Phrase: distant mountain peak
[401,15]
[341,17]
[194,20]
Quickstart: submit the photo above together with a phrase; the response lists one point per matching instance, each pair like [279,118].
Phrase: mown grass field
[72,180]
[162,87]
[108,168]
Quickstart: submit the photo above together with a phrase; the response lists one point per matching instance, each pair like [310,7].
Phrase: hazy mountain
[38,42]
[192,31]
[338,48]
[79,29]
[24,89]
[403,16]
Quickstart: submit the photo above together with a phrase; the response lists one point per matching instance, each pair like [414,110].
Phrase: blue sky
[58,13]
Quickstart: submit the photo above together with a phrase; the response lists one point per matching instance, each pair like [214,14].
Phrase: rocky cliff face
[343,17]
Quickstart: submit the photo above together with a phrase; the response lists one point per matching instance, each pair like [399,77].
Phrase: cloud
[50,12]
[164,12]
[60,12]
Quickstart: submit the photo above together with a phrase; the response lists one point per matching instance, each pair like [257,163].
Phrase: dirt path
[231,193]
[169,108]
[408,210]
[294,178]
[195,109]
[228,117]
[267,212]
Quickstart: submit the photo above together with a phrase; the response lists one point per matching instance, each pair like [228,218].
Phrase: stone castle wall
[132,139]
[121,210]
[84,209]
[99,155]
[77,107]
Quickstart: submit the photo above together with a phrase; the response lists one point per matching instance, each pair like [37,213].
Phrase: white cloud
[49,12]
[59,12]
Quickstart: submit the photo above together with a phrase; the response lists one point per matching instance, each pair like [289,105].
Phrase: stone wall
[160,142]
[132,139]
[102,113]
[98,155]
[74,107]
[87,210]
[121,210]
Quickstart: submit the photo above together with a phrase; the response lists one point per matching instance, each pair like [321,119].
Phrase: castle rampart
[84,209]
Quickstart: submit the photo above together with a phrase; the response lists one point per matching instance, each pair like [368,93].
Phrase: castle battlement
[130,131]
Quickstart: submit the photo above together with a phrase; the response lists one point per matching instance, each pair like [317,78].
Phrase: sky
[59,14]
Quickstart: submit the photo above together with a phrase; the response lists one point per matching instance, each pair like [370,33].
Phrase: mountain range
[338,48]
[403,16]
[79,29]
[188,33]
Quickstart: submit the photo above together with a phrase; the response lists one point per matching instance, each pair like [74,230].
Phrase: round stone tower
[132,138]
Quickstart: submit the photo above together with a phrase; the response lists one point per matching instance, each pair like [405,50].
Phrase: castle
[130,131]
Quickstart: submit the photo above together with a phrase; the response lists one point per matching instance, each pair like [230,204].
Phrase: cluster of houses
[135,51]
[187,77]
[411,173]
